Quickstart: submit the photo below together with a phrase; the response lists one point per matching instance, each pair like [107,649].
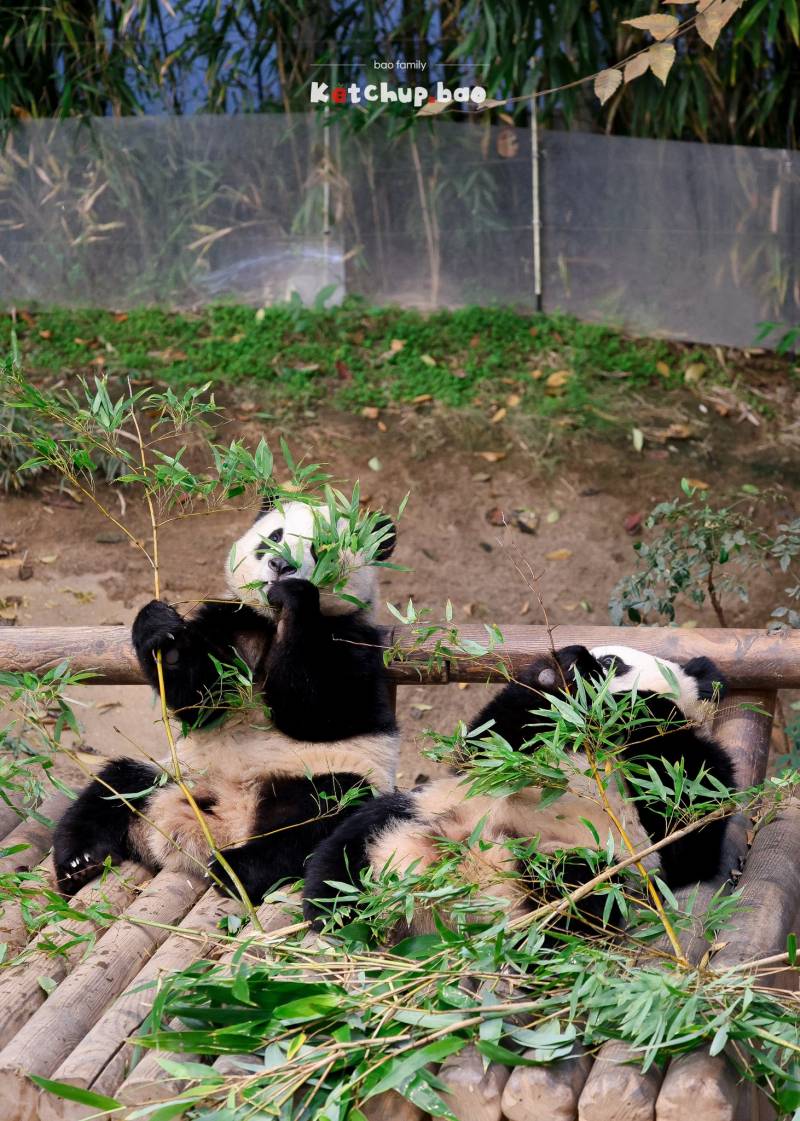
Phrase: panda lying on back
[404,831]
[269,787]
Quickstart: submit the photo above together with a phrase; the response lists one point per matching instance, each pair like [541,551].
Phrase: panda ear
[572,658]
[385,525]
[268,499]
[707,676]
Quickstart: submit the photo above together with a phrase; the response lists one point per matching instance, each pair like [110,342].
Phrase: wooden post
[549,1092]
[21,992]
[34,834]
[473,1093]
[101,1059]
[750,659]
[69,1012]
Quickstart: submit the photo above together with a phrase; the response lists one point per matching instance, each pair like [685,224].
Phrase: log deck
[79,1033]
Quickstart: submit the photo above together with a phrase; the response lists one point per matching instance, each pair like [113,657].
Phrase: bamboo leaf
[636,67]
[661,57]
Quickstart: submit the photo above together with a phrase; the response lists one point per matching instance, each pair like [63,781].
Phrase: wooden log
[770,890]
[100,1061]
[10,818]
[549,1092]
[34,834]
[473,1093]
[744,726]
[751,659]
[21,992]
[698,1085]
[148,1082]
[616,1089]
[75,1006]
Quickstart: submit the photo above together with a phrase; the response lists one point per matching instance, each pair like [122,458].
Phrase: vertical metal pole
[326,192]
[536,207]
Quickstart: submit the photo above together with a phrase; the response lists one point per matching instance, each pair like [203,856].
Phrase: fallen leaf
[421,398]
[48,559]
[663,369]
[513,400]
[693,372]
[370,412]
[552,517]
[26,317]
[607,82]
[559,554]
[661,57]
[418,706]
[526,521]
[496,516]
[121,316]
[482,477]
[475,341]
[463,685]
[690,624]
[303,368]
[492,457]
[559,378]
[374,464]
[633,522]
[382,427]
[698,484]
[525,607]
[45,334]
[638,439]
[426,358]
[501,414]
[587,607]
[659,25]
[678,432]
[396,345]
[343,371]
[536,374]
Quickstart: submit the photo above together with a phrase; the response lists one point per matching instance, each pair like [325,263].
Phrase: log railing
[603,1087]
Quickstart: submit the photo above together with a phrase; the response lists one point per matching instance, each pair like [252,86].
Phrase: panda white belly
[226,769]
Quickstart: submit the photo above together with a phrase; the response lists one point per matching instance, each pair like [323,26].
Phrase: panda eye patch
[276,535]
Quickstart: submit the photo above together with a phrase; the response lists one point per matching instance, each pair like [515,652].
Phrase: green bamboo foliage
[101,57]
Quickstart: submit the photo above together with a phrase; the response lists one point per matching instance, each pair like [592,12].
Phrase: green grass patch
[356,356]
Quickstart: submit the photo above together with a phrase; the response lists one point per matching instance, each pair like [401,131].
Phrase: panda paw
[78,869]
[294,594]
[156,626]
[242,865]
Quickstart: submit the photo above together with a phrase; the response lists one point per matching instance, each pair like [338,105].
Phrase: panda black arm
[697,856]
[294,815]
[97,824]
[324,674]
[187,646]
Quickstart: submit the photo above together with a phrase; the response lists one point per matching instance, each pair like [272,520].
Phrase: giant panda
[269,779]
[407,831]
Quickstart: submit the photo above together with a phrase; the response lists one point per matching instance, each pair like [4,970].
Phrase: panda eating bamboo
[405,833]
[271,779]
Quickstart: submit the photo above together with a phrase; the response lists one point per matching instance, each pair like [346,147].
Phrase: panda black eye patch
[276,537]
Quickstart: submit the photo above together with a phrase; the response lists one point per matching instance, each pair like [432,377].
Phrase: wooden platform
[80,1033]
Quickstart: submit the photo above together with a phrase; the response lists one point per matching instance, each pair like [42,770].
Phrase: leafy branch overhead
[711,16]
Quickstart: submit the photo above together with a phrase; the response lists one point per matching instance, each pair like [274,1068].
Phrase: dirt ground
[83,572]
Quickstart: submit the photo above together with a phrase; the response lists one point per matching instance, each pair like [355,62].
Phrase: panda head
[694,687]
[260,558]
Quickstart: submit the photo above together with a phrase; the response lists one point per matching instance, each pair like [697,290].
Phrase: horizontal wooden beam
[750,659]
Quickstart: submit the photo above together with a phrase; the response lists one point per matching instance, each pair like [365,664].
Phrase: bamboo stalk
[750,659]
[75,1006]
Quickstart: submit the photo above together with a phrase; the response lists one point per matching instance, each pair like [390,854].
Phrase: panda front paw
[294,594]
[242,866]
[156,627]
[75,870]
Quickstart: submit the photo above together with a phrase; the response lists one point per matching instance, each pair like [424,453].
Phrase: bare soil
[84,572]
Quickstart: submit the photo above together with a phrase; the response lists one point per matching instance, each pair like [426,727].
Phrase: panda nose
[280,567]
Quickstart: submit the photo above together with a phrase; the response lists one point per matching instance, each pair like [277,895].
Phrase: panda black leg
[343,856]
[96,826]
